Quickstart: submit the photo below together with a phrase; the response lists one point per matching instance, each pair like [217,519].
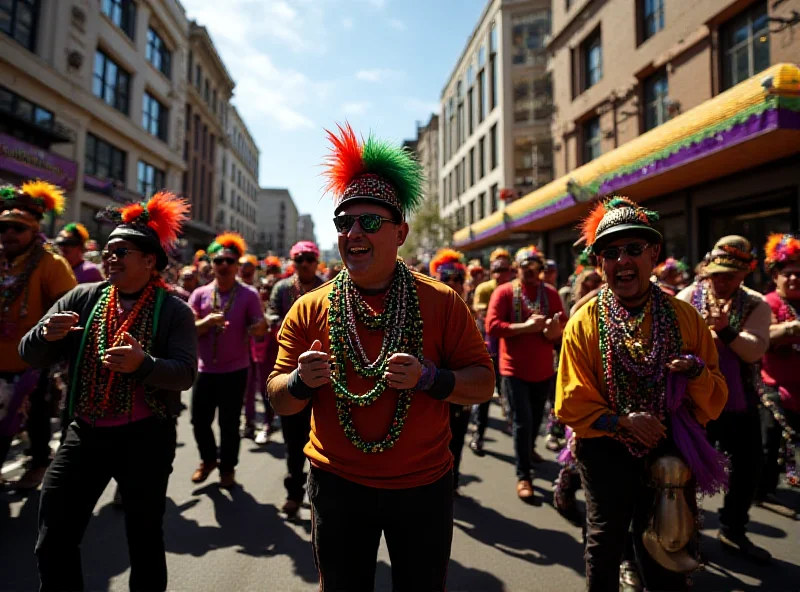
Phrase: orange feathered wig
[447,260]
[228,240]
[780,249]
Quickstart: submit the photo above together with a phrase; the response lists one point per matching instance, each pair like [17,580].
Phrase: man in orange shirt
[379,353]
[32,279]
[527,316]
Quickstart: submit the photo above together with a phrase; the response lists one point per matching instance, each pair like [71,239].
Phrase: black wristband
[443,385]
[297,388]
[727,335]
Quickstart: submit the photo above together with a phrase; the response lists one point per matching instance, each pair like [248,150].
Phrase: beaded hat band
[731,254]
[616,218]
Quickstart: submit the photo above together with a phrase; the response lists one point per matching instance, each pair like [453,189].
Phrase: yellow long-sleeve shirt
[581,387]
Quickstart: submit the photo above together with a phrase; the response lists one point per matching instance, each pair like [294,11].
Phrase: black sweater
[171,367]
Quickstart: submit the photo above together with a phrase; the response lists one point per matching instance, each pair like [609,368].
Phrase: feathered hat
[302,248]
[72,235]
[372,171]
[447,264]
[152,225]
[780,250]
[731,253]
[615,218]
[248,258]
[228,240]
[200,255]
[670,265]
[272,264]
[529,253]
[28,203]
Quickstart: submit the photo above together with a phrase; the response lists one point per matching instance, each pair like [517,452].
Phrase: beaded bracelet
[697,365]
[427,377]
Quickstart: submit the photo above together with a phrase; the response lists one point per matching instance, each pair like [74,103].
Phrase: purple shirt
[233,344]
[87,273]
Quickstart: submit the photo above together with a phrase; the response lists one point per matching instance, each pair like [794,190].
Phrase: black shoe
[740,543]
[773,504]
[249,432]
[476,445]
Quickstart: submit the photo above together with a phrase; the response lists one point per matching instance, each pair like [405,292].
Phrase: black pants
[772,437]
[347,520]
[224,392]
[296,429]
[617,496]
[459,423]
[37,423]
[139,457]
[527,400]
[739,436]
[482,419]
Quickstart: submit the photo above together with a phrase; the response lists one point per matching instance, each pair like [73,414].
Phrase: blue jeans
[527,401]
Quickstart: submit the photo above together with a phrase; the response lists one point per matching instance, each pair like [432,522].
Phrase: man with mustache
[617,355]
[227,314]
[295,428]
[780,411]
[526,315]
[739,319]
[378,354]
[32,279]
[71,241]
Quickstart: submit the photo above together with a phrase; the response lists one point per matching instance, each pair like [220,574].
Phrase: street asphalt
[238,541]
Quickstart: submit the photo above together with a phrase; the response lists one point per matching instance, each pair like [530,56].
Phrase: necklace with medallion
[216,299]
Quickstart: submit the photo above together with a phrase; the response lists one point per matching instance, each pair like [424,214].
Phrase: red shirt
[779,366]
[528,356]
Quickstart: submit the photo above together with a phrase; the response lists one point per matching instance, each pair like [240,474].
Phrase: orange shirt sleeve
[58,279]
[293,339]
[463,344]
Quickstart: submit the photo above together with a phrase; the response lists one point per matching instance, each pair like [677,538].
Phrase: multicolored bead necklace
[704,301]
[523,304]
[401,323]
[635,364]
[216,299]
[787,314]
[96,390]
[13,286]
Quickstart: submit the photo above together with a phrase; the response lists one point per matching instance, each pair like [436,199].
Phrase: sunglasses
[308,258]
[228,260]
[119,253]
[632,249]
[15,226]
[501,270]
[370,223]
[452,276]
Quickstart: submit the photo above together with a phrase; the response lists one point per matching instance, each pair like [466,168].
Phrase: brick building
[668,102]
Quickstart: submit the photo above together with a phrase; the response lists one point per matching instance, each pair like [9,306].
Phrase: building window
[472,166]
[470,111]
[745,45]
[471,217]
[149,179]
[494,198]
[523,99]
[568,4]
[484,99]
[591,140]
[157,53]
[592,56]
[198,77]
[18,20]
[155,117]
[482,157]
[104,160]
[656,91]
[22,109]
[529,36]
[111,83]
[123,14]
[481,206]
[652,12]
[214,101]
[494,147]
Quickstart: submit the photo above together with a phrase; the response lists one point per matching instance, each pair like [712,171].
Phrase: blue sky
[302,65]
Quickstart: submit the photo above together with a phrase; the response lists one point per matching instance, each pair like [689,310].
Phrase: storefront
[730,165]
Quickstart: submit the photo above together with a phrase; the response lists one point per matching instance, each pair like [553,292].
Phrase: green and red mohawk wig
[78,230]
[372,170]
[228,240]
[618,217]
[447,260]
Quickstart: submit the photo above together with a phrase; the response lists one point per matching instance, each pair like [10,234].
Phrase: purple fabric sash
[12,409]
[732,371]
[565,457]
[709,467]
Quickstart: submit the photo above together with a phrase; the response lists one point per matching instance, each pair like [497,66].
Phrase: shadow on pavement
[517,538]
[17,539]
[459,578]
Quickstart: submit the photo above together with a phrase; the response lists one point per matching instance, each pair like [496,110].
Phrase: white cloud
[242,33]
[379,4]
[378,74]
[356,107]
[397,24]
[347,23]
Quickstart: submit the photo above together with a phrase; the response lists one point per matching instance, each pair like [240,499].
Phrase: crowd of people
[661,382]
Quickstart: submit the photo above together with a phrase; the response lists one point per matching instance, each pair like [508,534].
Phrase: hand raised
[314,367]
[59,325]
[125,358]
[403,371]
